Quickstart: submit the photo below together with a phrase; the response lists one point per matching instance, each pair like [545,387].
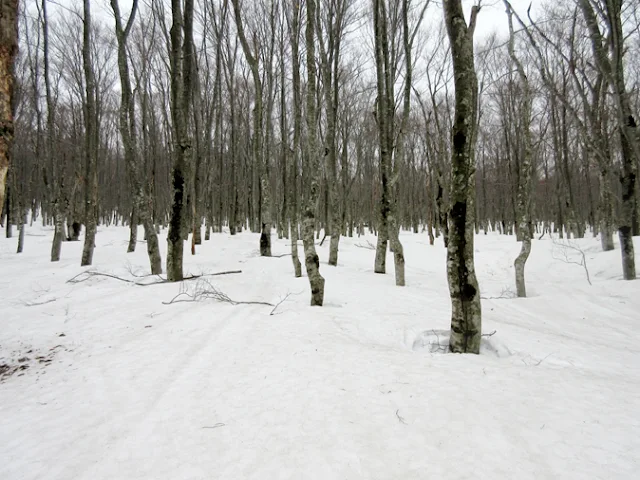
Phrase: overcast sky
[492,15]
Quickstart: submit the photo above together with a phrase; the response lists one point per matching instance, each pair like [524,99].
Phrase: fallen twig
[400,419]
[204,290]
[368,246]
[84,276]
[506,293]
[217,425]
[273,312]
[538,362]
[35,304]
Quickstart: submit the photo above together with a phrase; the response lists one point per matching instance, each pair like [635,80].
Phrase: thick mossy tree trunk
[385,117]
[182,52]
[8,52]
[91,144]
[466,316]
[311,260]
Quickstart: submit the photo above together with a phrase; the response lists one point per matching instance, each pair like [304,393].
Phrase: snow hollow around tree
[101,379]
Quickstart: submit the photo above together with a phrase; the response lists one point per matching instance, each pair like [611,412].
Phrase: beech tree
[258,135]
[311,260]
[182,57]
[8,52]
[523,208]
[91,141]
[466,316]
[198,132]
[609,56]
[129,133]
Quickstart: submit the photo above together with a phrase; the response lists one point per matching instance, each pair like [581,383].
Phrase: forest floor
[102,379]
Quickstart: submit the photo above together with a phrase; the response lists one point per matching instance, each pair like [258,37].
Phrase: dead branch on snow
[204,290]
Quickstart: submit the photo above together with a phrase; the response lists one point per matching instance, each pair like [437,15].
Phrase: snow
[137,389]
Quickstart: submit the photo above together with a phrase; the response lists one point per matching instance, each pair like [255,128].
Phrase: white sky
[492,15]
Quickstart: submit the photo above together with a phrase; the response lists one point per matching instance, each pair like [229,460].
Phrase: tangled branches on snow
[84,276]
[204,290]
[367,246]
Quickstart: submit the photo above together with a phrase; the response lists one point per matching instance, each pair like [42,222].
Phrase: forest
[334,117]
[244,238]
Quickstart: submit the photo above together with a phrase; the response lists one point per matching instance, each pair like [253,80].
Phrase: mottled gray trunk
[265,231]
[466,317]
[261,171]
[384,117]
[606,212]
[57,181]
[380,265]
[398,251]
[21,233]
[311,260]
[8,52]
[294,35]
[91,143]
[58,233]
[141,212]
[133,231]
[612,66]
[519,264]
[523,200]
[150,233]
[329,66]
[181,57]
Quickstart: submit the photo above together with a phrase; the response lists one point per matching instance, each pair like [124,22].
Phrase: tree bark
[128,131]
[613,68]
[523,202]
[311,260]
[91,143]
[8,52]
[258,142]
[294,34]
[181,95]
[466,317]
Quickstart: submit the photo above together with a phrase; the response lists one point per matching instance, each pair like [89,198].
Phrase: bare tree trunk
[91,143]
[606,211]
[294,34]
[133,230]
[56,181]
[384,117]
[523,207]
[8,52]
[311,260]
[258,143]
[141,205]
[330,68]
[613,68]
[466,317]
[182,52]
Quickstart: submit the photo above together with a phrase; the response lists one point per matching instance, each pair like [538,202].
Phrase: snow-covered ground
[119,385]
